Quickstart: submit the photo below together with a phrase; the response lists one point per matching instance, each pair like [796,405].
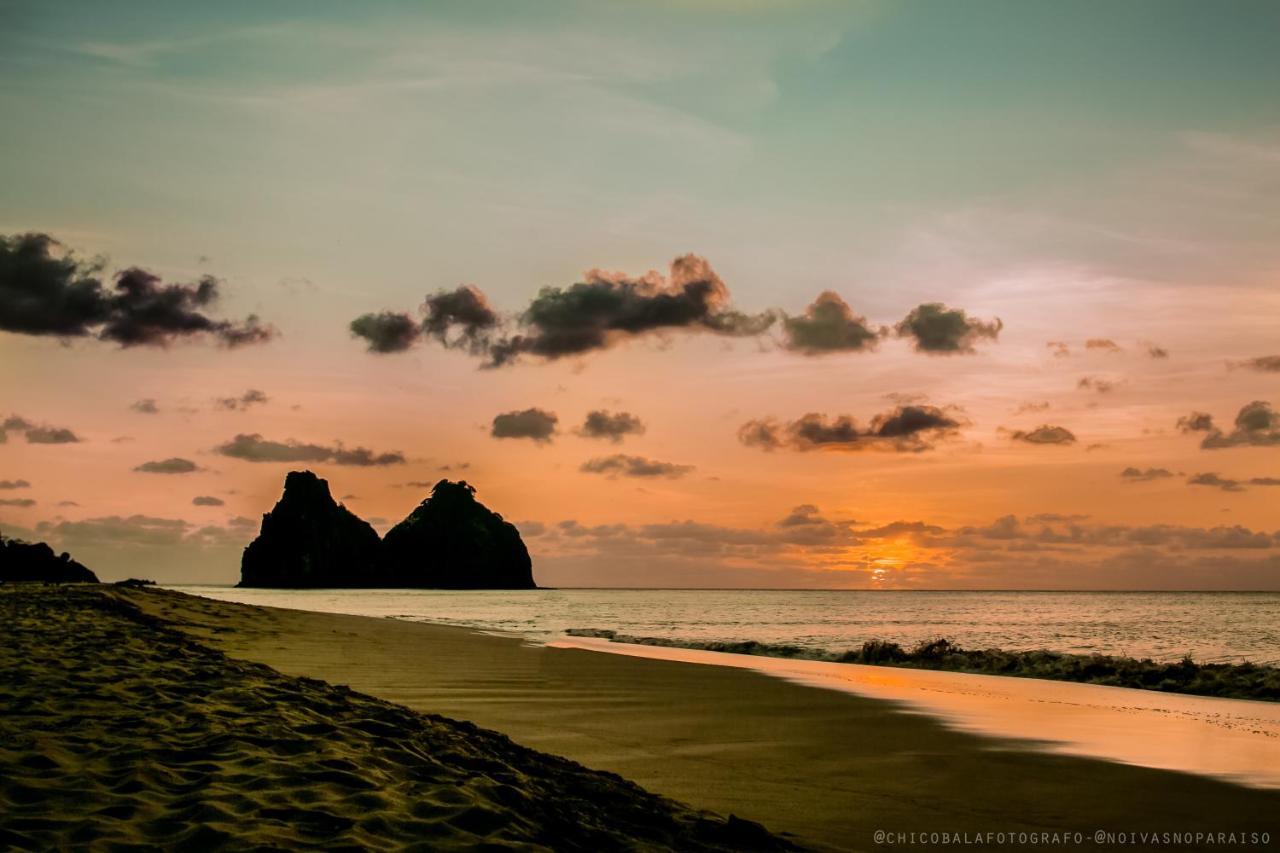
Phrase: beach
[832,768]
[119,731]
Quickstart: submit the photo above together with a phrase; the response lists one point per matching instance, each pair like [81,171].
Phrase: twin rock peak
[450,541]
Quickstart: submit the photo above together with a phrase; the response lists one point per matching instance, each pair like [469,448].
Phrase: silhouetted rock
[452,541]
[135,583]
[36,561]
[310,540]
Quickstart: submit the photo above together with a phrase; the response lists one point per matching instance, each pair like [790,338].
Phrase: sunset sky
[893,294]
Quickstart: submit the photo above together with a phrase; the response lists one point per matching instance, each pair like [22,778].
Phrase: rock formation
[452,541]
[36,561]
[310,540]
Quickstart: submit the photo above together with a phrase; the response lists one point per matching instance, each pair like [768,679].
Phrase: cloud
[621,465]
[1263,363]
[36,433]
[1196,422]
[207,500]
[613,426]
[138,531]
[145,407]
[51,435]
[609,307]
[174,465]
[1059,349]
[14,484]
[602,310]
[905,429]
[18,502]
[531,423]
[460,319]
[1256,425]
[1155,350]
[1215,481]
[1228,484]
[829,325]
[1145,475]
[387,331]
[45,290]
[252,397]
[253,447]
[805,548]
[939,330]
[1044,434]
[1097,383]
[1104,344]
[1032,407]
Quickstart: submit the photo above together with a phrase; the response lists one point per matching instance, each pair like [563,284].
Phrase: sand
[118,730]
[830,767]
[1233,739]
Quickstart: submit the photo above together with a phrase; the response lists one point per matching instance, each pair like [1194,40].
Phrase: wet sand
[831,767]
[1233,739]
[119,732]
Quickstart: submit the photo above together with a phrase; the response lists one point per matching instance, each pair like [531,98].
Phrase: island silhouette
[449,541]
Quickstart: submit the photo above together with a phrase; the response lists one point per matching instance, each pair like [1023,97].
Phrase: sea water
[1209,626]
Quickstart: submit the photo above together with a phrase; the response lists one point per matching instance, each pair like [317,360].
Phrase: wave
[1226,680]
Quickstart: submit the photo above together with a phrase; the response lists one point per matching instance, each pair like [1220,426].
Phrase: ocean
[1211,627]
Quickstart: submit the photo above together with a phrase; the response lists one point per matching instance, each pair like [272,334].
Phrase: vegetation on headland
[1226,680]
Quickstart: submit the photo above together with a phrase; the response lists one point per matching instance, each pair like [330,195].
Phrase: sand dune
[119,730]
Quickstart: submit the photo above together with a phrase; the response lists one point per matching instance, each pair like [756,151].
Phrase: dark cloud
[207,500]
[1213,480]
[1256,425]
[18,502]
[455,466]
[1032,407]
[1144,475]
[603,309]
[1196,422]
[829,325]
[51,435]
[14,484]
[36,433]
[1059,349]
[45,290]
[940,330]
[252,397]
[620,465]
[612,426]
[1098,384]
[460,319]
[254,448]
[531,423]
[174,465]
[388,331]
[1044,434]
[1228,484]
[905,429]
[1155,350]
[608,307]
[1104,344]
[1263,363]
[145,407]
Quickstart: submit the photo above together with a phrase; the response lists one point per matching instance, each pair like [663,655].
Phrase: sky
[698,293]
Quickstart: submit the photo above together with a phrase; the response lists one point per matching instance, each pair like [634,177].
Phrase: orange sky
[427,150]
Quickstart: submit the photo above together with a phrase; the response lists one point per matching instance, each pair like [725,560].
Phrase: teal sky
[1081,170]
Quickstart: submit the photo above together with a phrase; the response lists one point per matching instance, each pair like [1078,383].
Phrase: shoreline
[1236,740]
[829,767]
